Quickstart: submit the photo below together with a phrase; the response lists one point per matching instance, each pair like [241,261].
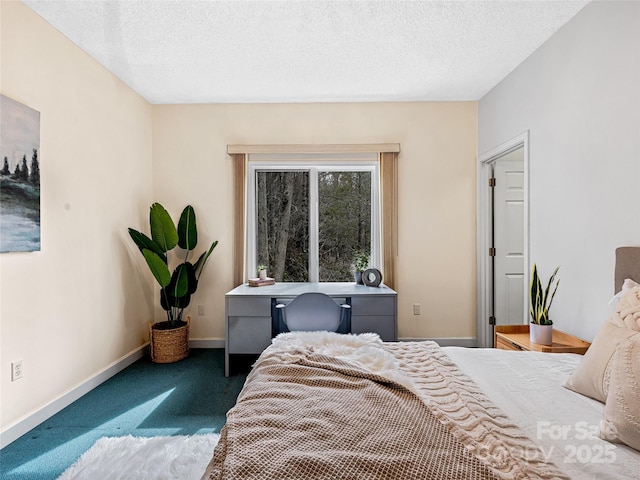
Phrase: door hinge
[492,252]
[492,182]
[492,320]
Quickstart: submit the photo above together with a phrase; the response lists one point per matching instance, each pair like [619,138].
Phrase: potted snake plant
[169,339]
[541,328]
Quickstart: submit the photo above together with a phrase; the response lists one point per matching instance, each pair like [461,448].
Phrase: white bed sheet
[527,386]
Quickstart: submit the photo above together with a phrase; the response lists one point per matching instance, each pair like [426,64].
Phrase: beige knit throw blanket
[326,406]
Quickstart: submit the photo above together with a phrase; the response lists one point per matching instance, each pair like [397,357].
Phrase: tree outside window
[309,223]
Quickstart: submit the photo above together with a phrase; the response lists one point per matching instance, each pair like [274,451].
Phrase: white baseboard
[469,342]
[36,417]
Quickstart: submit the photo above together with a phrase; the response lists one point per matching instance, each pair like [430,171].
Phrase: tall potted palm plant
[169,340]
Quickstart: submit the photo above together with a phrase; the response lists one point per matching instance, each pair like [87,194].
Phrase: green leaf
[164,300]
[167,301]
[184,274]
[546,290]
[553,276]
[192,281]
[187,231]
[179,285]
[199,266]
[534,293]
[142,241]
[163,230]
[158,267]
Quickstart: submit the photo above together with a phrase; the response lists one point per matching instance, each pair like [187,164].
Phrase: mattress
[321,405]
[527,387]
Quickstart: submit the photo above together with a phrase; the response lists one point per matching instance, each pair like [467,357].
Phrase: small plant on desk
[262,272]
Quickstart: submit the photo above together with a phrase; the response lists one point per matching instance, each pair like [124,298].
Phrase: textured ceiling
[179,51]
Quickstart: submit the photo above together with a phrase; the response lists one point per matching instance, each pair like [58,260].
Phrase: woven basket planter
[168,346]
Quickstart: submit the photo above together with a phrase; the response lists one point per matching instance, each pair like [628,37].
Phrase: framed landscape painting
[19,177]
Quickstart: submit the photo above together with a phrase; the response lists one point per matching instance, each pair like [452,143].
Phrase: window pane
[282,210]
[344,222]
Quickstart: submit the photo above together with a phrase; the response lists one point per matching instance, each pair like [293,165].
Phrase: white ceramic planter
[262,274]
[541,334]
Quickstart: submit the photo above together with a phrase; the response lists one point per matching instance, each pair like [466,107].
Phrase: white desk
[249,324]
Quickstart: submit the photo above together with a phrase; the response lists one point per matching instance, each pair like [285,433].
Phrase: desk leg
[226,338]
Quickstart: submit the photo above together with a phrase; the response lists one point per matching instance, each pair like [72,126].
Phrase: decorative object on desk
[262,272]
[360,262]
[541,329]
[261,282]
[372,277]
[175,288]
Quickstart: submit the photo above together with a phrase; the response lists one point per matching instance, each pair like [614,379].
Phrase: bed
[320,405]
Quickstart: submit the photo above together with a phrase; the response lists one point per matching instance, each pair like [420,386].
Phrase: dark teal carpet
[146,399]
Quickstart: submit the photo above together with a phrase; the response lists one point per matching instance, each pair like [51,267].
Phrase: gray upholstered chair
[315,312]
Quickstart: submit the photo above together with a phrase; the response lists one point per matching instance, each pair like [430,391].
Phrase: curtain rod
[313,148]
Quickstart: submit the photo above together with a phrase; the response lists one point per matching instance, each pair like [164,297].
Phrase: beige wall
[79,304]
[83,301]
[437,193]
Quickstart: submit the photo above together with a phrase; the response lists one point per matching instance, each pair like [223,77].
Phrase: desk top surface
[292,289]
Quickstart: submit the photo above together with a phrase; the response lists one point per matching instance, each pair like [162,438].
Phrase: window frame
[313,163]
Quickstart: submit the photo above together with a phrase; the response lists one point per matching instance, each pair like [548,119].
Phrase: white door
[508,239]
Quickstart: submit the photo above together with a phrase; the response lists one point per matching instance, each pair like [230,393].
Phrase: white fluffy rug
[139,458]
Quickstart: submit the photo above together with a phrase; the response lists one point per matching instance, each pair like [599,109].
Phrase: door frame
[484,333]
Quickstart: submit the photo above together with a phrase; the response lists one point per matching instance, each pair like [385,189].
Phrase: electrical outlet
[16,370]
[416,309]
[201,310]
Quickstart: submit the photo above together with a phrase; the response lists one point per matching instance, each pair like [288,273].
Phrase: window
[307,216]
[385,241]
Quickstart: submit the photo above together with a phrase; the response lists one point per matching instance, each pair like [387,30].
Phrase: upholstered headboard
[627,265]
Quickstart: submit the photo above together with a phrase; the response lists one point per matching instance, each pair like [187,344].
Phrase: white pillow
[591,376]
[622,409]
[627,285]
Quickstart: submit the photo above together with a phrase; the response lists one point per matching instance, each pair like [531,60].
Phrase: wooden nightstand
[516,337]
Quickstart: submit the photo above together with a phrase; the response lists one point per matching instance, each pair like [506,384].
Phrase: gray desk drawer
[249,334]
[369,305]
[385,326]
[249,307]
